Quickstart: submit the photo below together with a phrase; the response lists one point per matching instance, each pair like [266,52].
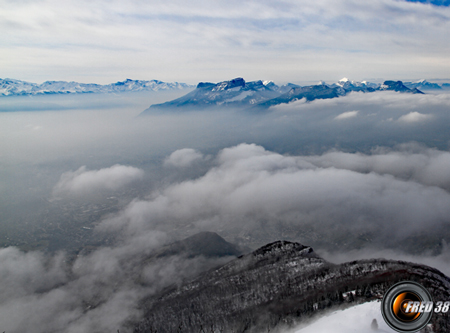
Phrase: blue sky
[434,2]
[290,40]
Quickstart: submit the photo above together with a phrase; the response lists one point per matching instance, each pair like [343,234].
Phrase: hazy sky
[297,41]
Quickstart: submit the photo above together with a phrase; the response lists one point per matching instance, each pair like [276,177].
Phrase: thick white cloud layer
[245,190]
[408,162]
[348,114]
[414,117]
[392,193]
[99,292]
[83,181]
[183,157]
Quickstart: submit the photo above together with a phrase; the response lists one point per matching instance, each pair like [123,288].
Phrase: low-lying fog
[366,175]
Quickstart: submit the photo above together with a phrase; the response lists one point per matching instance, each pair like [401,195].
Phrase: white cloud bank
[252,191]
[414,117]
[98,292]
[183,157]
[83,181]
[249,192]
[346,115]
[408,162]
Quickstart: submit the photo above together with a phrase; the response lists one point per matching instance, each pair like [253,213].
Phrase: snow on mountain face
[399,87]
[348,85]
[357,319]
[11,87]
[235,84]
[261,95]
[17,87]
[235,93]
[256,94]
[423,85]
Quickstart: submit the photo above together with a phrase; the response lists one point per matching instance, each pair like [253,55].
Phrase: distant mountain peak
[399,87]
[207,244]
[205,84]
[225,85]
[424,85]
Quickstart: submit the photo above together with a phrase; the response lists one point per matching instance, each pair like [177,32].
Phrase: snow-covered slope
[241,94]
[399,87]
[357,319]
[346,85]
[10,87]
[233,93]
[423,85]
[261,95]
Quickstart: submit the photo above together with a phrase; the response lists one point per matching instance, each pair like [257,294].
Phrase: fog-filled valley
[91,190]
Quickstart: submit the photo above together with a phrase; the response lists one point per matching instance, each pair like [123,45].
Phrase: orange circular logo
[407,307]
[400,306]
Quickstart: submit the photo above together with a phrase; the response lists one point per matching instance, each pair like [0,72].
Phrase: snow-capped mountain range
[425,85]
[236,90]
[367,86]
[263,94]
[11,87]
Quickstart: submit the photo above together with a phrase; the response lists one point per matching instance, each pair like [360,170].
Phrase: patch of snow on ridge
[241,96]
[357,319]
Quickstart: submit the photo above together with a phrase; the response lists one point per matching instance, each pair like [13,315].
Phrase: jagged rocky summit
[281,285]
[399,87]
[11,87]
[260,95]
[232,93]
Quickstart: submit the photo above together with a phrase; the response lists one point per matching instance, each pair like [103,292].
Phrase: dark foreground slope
[278,285]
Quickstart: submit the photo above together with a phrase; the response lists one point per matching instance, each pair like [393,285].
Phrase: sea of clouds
[356,177]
